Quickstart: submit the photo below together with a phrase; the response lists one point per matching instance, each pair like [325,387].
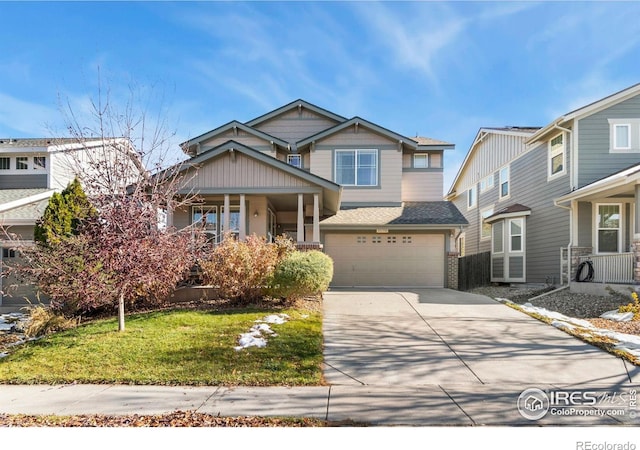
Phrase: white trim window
[487,183]
[295,160]
[504,182]
[624,135]
[608,228]
[421,161]
[5,163]
[356,167]
[497,239]
[207,216]
[516,237]
[485,228]
[557,165]
[621,136]
[472,197]
[22,163]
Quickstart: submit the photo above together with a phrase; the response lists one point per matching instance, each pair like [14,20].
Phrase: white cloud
[29,118]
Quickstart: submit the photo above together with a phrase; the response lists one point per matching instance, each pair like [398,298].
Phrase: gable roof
[587,110]
[515,210]
[480,136]
[296,104]
[409,215]
[191,146]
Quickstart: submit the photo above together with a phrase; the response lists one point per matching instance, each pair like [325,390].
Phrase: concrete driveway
[446,337]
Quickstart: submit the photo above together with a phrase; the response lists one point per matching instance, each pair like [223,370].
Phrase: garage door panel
[387,260]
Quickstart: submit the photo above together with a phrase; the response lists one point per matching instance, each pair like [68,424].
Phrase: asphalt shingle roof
[410,213]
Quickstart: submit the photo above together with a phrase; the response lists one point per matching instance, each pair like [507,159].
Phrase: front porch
[586,267]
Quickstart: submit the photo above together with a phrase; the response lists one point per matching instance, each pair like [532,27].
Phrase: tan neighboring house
[371,198]
[31,170]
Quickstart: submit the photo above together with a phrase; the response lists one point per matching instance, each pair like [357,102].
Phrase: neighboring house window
[22,163]
[5,163]
[472,199]
[295,160]
[39,162]
[497,241]
[608,228]
[504,182]
[420,160]
[485,232]
[624,135]
[556,156]
[8,253]
[357,167]
[515,235]
[486,183]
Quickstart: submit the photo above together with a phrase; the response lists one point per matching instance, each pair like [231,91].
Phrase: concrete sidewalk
[432,405]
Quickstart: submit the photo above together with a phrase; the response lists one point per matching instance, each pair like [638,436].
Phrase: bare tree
[125,252]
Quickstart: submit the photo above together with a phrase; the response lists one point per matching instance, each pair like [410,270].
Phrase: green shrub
[301,274]
[240,269]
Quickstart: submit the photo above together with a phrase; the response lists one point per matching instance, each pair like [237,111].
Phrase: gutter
[569,245]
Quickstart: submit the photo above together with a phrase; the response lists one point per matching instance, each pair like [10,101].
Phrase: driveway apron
[446,337]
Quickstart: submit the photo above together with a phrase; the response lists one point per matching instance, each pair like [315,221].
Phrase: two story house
[542,200]
[370,197]
[31,170]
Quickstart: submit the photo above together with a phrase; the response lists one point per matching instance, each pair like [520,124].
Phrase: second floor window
[420,161]
[39,162]
[295,160]
[356,167]
[5,163]
[504,182]
[556,156]
[471,197]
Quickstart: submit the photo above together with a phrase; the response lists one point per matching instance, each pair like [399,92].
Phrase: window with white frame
[207,216]
[234,219]
[295,160]
[421,160]
[356,167]
[39,162]
[621,136]
[486,183]
[5,163]
[22,163]
[504,182]
[557,164]
[608,228]
[485,230]
[515,235]
[472,197]
[497,238]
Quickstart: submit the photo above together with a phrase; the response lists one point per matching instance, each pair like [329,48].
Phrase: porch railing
[306,246]
[615,268]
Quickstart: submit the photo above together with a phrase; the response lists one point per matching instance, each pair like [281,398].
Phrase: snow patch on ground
[625,342]
[256,337]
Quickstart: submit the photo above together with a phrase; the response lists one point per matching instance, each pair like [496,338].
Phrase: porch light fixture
[255,214]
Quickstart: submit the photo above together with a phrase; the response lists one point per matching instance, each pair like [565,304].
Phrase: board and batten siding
[494,152]
[294,125]
[242,137]
[547,228]
[223,172]
[595,161]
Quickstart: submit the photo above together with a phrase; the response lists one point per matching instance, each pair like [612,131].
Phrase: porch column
[169,216]
[300,230]
[226,223]
[243,218]
[636,238]
[316,218]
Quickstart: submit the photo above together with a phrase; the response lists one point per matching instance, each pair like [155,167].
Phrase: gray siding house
[544,214]
[370,197]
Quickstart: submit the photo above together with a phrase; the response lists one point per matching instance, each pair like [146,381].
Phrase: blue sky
[437,69]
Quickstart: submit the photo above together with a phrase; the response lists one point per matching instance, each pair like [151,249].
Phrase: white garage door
[402,260]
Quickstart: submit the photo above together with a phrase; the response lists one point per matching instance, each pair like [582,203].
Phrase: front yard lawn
[175,347]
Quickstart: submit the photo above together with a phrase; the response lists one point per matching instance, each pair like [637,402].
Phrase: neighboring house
[31,170]
[557,194]
[370,197]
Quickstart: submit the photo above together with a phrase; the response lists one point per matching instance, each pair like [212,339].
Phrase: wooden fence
[474,271]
